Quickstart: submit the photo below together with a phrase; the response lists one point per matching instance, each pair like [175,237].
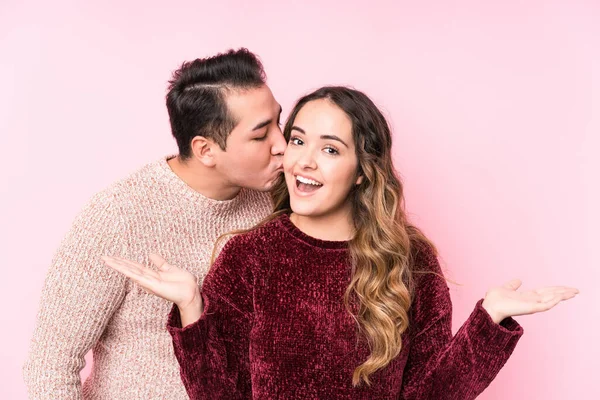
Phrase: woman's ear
[360,179]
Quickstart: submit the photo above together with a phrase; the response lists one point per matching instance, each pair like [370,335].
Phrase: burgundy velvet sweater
[275,327]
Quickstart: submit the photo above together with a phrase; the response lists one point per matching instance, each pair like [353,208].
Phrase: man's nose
[279,143]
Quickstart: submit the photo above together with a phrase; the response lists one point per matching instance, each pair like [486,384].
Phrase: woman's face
[320,162]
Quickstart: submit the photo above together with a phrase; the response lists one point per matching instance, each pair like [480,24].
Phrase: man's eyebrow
[262,124]
[267,122]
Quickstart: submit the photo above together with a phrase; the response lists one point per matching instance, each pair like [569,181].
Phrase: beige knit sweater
[85,305]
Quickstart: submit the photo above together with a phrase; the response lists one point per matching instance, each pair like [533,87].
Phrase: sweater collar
[187,192]
[293,230]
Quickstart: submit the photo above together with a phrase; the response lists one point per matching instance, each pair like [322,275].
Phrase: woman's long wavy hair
[380,291]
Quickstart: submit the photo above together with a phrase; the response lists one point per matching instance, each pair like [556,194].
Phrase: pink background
[495,109]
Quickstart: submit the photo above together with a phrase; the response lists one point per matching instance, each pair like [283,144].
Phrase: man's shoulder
[255,197]
[117,196]
[147,176]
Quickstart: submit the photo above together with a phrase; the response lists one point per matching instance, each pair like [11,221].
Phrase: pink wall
[496,110]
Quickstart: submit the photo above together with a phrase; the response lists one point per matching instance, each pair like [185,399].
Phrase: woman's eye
[331,150]
[296,141]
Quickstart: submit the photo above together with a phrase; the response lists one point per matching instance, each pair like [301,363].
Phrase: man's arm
[79,297]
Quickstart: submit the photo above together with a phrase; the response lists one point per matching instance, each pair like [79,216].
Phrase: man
[226,124]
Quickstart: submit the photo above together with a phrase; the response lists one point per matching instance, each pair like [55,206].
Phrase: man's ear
[204,150]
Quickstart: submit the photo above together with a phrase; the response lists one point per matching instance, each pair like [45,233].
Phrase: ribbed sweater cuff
[493,336]
[188,339]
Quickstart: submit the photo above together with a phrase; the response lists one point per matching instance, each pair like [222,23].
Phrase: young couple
[334,295]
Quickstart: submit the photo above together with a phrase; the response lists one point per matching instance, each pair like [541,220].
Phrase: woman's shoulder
[431,291]
[425,266]
[423,255]
[256,238]
[248,252]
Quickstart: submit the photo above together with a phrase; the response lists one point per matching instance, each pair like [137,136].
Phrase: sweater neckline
[293,230]
[194,196]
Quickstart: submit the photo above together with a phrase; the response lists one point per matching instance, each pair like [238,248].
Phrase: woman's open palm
[169,282]
[505,301]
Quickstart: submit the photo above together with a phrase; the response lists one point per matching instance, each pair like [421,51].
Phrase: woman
[336,296]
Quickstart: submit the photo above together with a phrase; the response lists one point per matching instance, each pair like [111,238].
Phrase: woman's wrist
[489,308]
[191,310]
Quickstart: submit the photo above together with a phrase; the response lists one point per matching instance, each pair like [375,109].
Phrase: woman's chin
[302,212]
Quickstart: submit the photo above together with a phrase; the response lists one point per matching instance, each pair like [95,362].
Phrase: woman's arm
[210,331]
[442,366]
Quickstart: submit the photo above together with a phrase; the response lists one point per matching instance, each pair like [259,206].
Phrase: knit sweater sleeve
[79,296]
[444,367]
[213,352]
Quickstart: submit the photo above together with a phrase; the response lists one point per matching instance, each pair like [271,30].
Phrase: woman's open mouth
[307,185]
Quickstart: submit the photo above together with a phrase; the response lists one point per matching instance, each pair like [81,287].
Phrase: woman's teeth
[307,181]
[306,185]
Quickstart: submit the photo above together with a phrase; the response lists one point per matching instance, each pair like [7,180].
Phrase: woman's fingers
[545,306]
[133,270]
[119,266]
[513,284]
[557,289]
[545,295]
[553,300]
[160,262]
